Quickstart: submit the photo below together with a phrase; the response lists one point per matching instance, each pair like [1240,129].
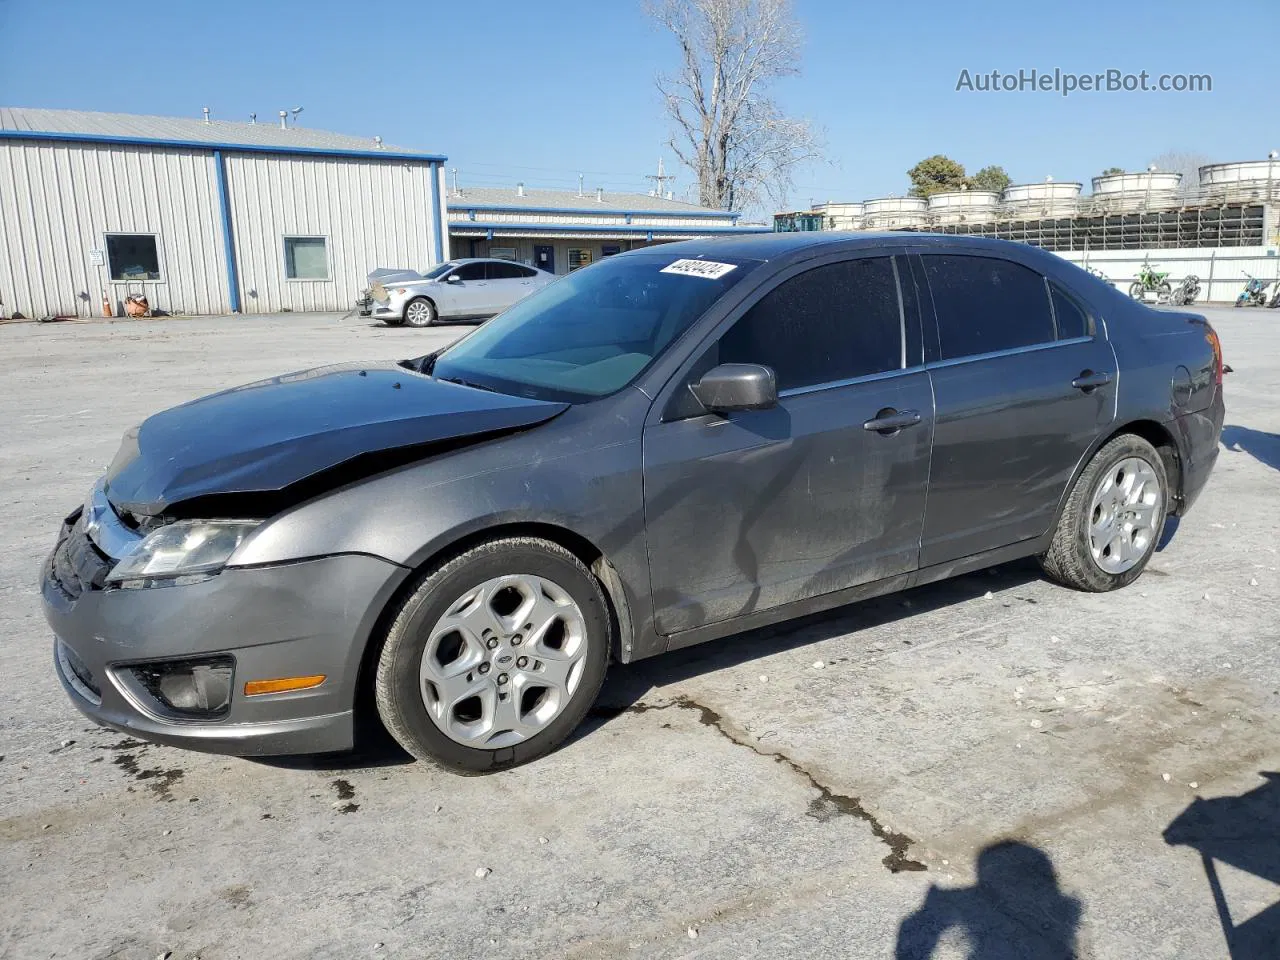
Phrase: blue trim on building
[437,221]
[593,211]
[224,206]
[214,146]
[549,228]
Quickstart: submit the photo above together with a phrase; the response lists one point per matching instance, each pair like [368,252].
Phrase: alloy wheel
[503,661]
[1123,515]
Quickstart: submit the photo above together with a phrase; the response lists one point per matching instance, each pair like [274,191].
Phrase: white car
[471,289]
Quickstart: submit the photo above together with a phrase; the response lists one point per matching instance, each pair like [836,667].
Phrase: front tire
[495,657]
[420,312]
[1112,520]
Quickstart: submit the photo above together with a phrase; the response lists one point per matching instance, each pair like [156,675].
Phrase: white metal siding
[57,200]
[372,213]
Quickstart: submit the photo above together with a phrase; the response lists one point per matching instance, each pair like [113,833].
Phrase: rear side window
[504,271]
[834,322]
[1072,321]
[985,305]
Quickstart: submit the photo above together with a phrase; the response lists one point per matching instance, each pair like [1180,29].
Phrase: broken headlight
[187,548]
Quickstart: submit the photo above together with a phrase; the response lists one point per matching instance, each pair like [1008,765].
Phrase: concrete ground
[838,787]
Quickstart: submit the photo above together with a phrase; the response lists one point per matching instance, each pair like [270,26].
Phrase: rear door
[751,510]
[1023,382]
[508,283]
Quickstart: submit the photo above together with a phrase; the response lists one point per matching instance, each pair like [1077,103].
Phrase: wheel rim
[504,661]
[1124,515]
[418,313]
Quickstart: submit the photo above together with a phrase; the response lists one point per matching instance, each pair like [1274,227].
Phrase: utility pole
[660,179]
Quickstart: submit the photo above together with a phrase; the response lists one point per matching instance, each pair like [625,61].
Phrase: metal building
[203,216]
[562,230]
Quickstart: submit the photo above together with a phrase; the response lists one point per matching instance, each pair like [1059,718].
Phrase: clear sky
[540,91]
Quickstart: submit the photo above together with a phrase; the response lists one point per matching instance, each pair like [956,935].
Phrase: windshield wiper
[468,383]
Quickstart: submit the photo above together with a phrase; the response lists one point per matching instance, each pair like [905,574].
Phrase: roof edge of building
[210,145]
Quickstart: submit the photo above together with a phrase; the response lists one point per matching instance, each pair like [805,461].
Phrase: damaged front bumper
[305,618]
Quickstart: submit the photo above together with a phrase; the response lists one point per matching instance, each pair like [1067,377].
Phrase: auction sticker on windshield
[706,269]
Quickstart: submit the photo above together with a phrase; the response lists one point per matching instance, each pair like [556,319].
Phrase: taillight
[1211,335]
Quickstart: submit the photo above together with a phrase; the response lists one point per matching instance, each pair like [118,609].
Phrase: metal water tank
[841,216]
[1050,198]
[895,213]
[1145,190]
[963,206]
[1243,181]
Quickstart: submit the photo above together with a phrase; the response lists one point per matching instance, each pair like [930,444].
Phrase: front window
[133,256]
[592,332]
[306,258]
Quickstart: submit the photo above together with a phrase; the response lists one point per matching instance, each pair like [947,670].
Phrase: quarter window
[984,305]
[1071,320]
[306,258]
[834,322]
[133,256]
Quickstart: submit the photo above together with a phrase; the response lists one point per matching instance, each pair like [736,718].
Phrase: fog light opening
[199,689]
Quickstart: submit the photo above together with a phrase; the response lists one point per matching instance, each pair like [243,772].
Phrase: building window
[610,250]
[503,253]
[579,257]
[306,258]
[133,256]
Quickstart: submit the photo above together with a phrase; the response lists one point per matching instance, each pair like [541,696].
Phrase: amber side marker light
[255,688]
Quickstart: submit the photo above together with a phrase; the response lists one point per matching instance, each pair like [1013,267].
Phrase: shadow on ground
[1015,911]
[1243,832]
[1263,447]
[626,685]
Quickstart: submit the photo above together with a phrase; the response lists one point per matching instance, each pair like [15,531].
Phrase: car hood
[268,436]
[390,274]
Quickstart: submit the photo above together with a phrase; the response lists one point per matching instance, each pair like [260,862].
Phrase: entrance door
[755,509]
[544,257]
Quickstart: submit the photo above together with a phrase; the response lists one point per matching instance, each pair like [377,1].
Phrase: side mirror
[453,278]
[737,386]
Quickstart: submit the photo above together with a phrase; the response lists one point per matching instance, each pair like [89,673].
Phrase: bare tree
[727,129]
[1186,163]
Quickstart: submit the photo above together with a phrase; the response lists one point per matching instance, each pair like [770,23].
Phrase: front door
[1023,384]
[467,293]
[755,509]
[544,257]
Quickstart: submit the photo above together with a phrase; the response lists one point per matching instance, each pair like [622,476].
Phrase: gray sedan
[470,289]
[668,447]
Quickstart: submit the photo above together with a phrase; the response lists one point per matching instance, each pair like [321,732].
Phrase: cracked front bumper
[296,619]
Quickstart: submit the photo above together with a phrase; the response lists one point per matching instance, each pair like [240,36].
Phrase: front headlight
[182,549]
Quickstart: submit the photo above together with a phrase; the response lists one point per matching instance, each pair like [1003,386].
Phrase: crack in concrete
[825,806]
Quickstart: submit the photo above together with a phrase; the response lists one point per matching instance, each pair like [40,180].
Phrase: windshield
[591,333]
[440,270]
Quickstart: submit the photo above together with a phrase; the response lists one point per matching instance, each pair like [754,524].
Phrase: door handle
[889,421]
[1089,380]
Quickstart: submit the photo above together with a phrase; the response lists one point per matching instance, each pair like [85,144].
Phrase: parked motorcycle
[1151,281]
[1185,293]
[1254,293]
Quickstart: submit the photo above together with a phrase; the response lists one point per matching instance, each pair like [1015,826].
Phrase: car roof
[777,246]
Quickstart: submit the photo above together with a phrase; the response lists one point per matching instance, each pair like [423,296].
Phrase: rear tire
[464,682]
[1137,291]
[1113,518]
[420,312]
